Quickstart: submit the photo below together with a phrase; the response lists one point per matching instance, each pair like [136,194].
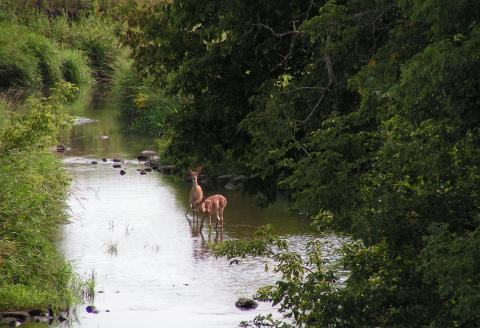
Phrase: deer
[196,193]
[213,204]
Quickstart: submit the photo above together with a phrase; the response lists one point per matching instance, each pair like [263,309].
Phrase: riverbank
[45,63]
[32,207]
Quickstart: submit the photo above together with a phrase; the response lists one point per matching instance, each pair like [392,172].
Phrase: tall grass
[29,60]
[94,36]
[18,64]
[32,205]
[36,51]
[32,273]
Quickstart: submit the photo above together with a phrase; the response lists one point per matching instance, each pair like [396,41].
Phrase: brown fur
[213,204]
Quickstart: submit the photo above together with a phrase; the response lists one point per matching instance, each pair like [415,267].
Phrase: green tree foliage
[365,113]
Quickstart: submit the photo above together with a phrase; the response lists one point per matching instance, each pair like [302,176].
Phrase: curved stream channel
[150,266]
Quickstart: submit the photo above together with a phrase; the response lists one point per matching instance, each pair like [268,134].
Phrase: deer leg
[221,218]
[218,220]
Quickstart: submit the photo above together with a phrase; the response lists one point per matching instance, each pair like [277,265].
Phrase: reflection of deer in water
[213,204]
[196,193]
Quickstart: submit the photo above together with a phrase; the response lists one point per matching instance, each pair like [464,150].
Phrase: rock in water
[91,309]
[245,303]
[117,166]
[94,162]
[122,172]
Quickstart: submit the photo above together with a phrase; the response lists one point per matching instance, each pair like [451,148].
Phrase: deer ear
[199,169]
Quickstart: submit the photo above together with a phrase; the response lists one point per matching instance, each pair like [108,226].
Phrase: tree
[365,114]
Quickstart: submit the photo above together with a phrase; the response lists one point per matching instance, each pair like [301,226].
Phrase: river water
[151,266]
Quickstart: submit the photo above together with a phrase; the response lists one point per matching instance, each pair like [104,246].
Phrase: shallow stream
[151,266]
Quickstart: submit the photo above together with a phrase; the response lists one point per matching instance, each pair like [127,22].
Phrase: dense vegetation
[44,61]
[32,205]
[365,112]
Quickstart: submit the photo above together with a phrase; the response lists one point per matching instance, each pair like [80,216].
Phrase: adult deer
[213,204]
[196,193]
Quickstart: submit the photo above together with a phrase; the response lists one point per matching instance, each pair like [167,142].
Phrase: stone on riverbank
[224,179]
[19,315]
[147,155]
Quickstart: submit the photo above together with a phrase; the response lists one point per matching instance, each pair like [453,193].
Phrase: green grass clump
[27,59]
[94,36]
[18,64]
[75,67]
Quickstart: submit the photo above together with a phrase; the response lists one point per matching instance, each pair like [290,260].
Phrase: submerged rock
[246,303]
[82,120]
[93,162]
[116,166]
[116,160]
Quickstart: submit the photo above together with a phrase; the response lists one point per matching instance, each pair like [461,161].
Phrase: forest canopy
[365,109]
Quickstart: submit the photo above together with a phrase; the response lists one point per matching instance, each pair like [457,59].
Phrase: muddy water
[151,266]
